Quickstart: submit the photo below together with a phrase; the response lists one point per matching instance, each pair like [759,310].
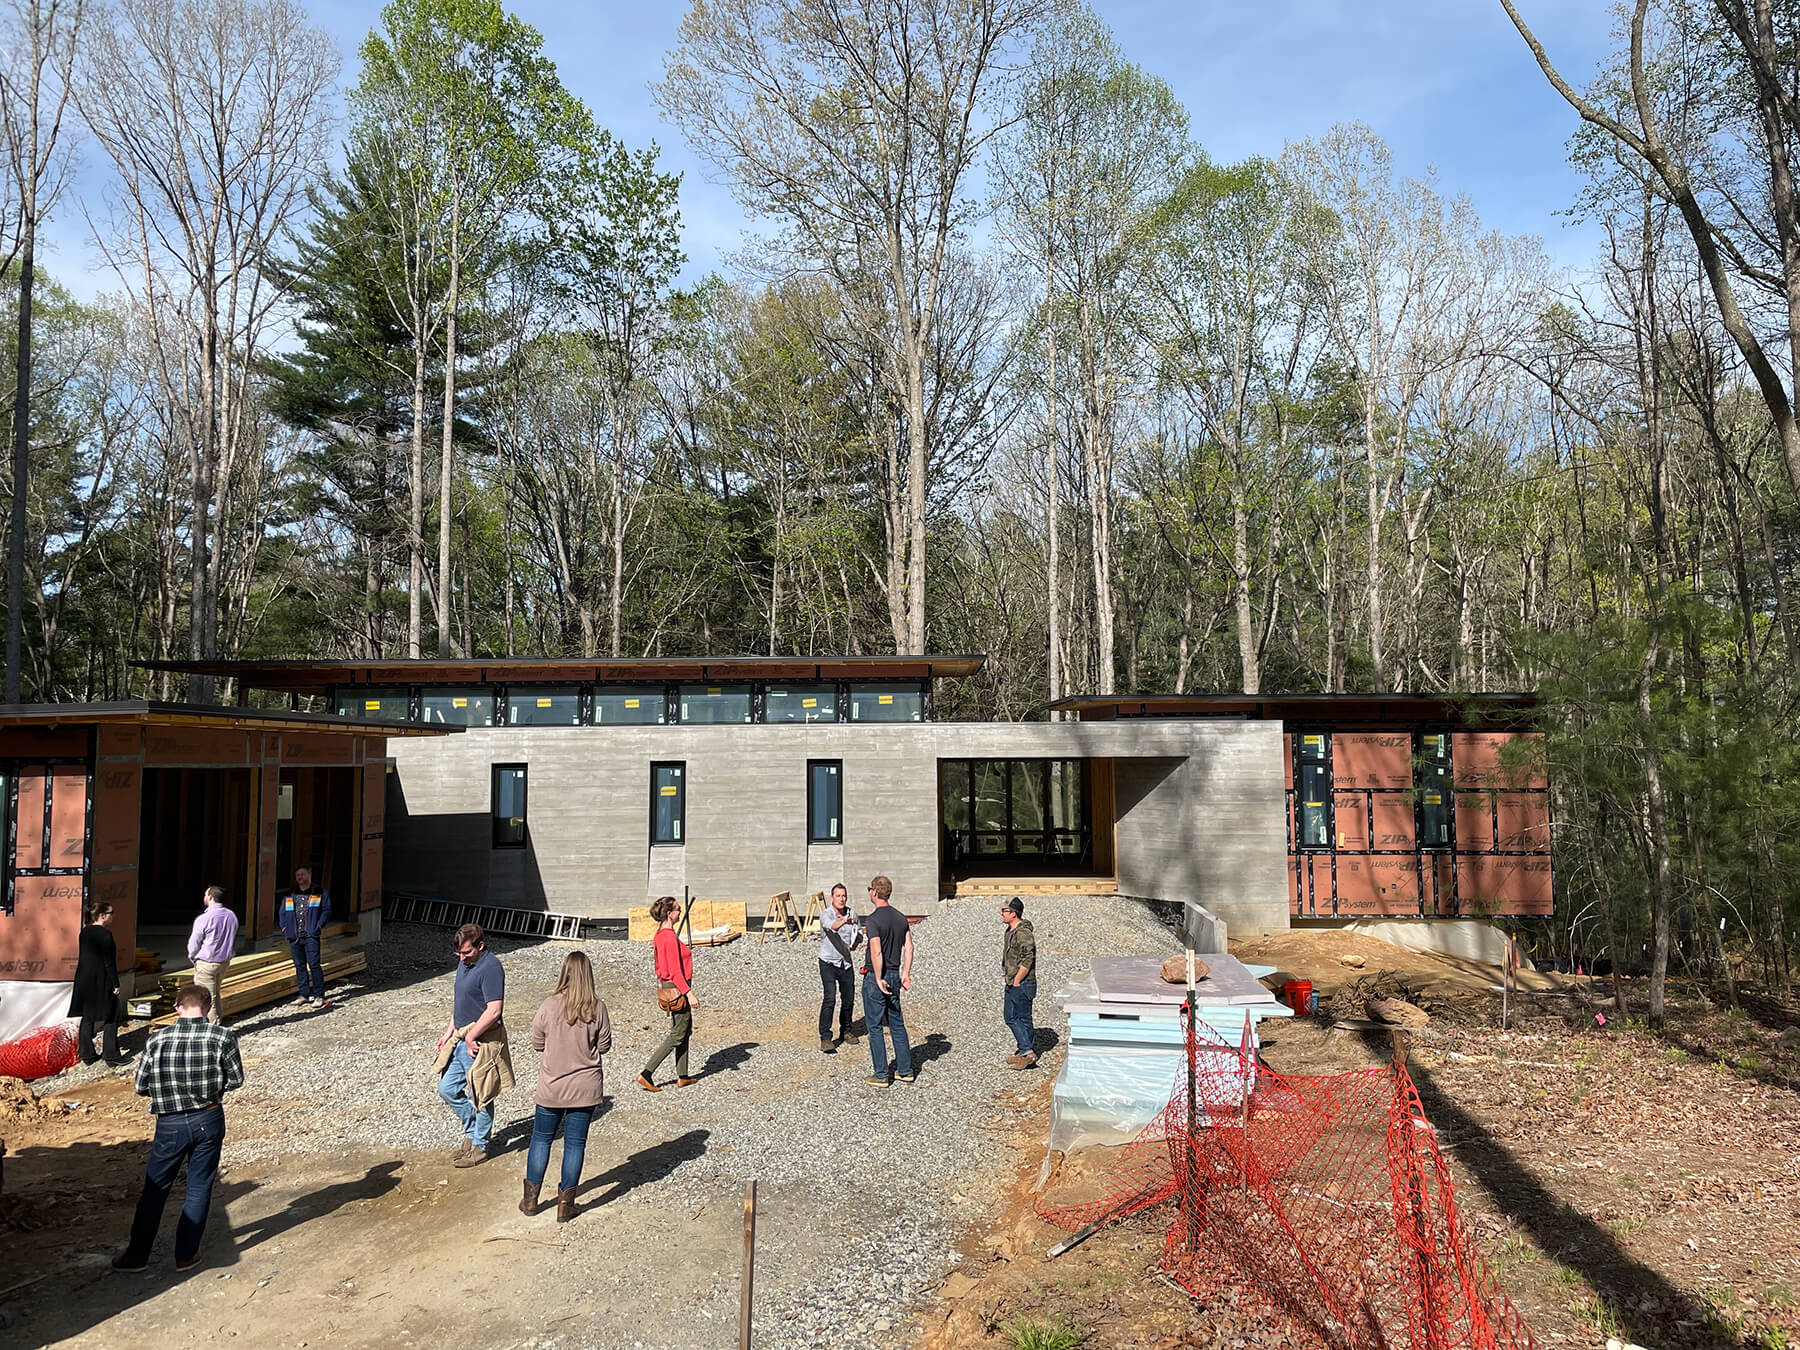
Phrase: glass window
[1068,806]
[1312,779]
[457,707]
[668,803]
[619,705]
[509,806]
[549,707]
[953,789]
[383,705]
[1435,802]
[824,801]
[887,703]
[708,704]
[800,703]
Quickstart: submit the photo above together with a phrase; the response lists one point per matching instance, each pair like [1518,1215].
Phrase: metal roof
[209,715]
[316,677]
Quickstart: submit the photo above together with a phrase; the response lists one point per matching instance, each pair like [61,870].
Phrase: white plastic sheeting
[26,1005]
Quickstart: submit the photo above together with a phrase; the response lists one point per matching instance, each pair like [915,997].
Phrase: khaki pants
[209,975]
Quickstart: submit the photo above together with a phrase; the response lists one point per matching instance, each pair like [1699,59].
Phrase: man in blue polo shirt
[302,914]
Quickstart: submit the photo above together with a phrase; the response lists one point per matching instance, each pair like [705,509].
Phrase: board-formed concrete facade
[1197,811]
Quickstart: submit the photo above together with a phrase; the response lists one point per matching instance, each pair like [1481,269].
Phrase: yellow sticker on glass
[669,790]
[459,703]
[543,703]
[884,699]
[712,690]
[631,703]
[809,703]
[371,705]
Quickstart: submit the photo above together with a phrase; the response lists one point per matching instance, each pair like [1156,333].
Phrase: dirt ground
[1619,1184]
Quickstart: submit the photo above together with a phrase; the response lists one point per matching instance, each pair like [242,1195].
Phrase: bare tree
[216,116]
[35,86]
[856,123]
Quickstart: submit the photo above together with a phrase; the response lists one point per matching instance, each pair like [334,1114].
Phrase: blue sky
[1447,83]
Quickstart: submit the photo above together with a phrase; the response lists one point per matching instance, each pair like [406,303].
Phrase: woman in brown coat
[572,1032]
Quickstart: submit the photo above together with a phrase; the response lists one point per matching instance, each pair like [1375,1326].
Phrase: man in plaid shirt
[186,1070]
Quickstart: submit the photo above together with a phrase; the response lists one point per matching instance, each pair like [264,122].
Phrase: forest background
[1013,366]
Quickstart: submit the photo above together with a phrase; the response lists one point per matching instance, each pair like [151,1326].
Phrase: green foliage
[1033,1333]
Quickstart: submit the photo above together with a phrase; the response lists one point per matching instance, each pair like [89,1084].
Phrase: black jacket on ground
[96,976]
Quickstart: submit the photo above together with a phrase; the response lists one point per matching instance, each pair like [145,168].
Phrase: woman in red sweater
[674,993]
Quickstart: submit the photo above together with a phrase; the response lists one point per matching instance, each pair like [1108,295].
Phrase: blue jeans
[883,1010]
[193,1137]
[574,1121]
[306,964]
[452,1087]
[1018,1012]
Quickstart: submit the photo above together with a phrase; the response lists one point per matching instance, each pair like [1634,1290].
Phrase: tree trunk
[1662,868]
[1052,485]
[21,466]
[447,466]
[415,545]
[1377,661]
[1249,666]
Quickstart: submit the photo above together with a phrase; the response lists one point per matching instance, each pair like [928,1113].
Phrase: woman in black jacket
[96,996]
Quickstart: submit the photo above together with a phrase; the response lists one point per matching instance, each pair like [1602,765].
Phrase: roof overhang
[203,715]
[318,677]
[1337,708]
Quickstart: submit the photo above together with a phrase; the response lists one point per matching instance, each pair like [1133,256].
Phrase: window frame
[812,768]
[494,816]
[1446,792]
[521,692]
[680,838]
[1326,802]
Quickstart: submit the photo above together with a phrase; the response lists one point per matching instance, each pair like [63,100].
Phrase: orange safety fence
[40,1053]
[1323,1198]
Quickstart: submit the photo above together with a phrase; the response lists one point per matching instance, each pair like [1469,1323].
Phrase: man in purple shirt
[210,946]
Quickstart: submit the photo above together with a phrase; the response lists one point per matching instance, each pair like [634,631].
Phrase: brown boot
[529,1205]
[565,1205]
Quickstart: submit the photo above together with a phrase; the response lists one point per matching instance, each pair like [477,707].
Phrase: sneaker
[873,1081]
[1028,1060]
[1016,1061]
[827,1045]
[125,1266]
[473,1158]
[906,1077]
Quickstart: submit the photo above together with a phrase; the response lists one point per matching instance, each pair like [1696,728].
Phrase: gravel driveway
[863,1189]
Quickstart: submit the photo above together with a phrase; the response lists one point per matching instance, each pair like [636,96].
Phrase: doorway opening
[198,829]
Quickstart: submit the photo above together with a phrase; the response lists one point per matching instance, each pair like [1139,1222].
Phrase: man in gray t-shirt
[480,995]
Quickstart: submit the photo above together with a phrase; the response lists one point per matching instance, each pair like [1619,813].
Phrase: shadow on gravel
[646,1167]
[730,1059]
[378,1180]
[934,1046]
[1044,1040]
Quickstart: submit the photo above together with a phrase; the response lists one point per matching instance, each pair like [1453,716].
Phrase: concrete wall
[1199,811]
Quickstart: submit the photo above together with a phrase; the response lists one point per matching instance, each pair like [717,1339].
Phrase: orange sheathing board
[1441,900]
[1394,825]
[1317,884]
[196,745]
[374,802]
[371,875]
[1475,759]
[118,889]
[1356,893]
[122,741]
[45,929]
[1287,762]
[1371,760]
[1524,819]
[117,813]
[1396,884]
[1474,822]
[1295,891]
[1350,821]
[1497,885]
[28,850]
[68,820]
[50,742]
[317,749]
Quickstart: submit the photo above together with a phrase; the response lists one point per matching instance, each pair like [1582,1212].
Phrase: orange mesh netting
[40,1053]
[1325,1199]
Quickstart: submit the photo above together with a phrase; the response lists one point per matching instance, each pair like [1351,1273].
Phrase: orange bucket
[1298,995]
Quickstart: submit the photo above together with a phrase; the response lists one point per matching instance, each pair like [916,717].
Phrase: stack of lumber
[713,922]
[255,980]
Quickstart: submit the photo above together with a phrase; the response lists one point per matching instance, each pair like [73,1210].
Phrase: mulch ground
[1620,1184]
